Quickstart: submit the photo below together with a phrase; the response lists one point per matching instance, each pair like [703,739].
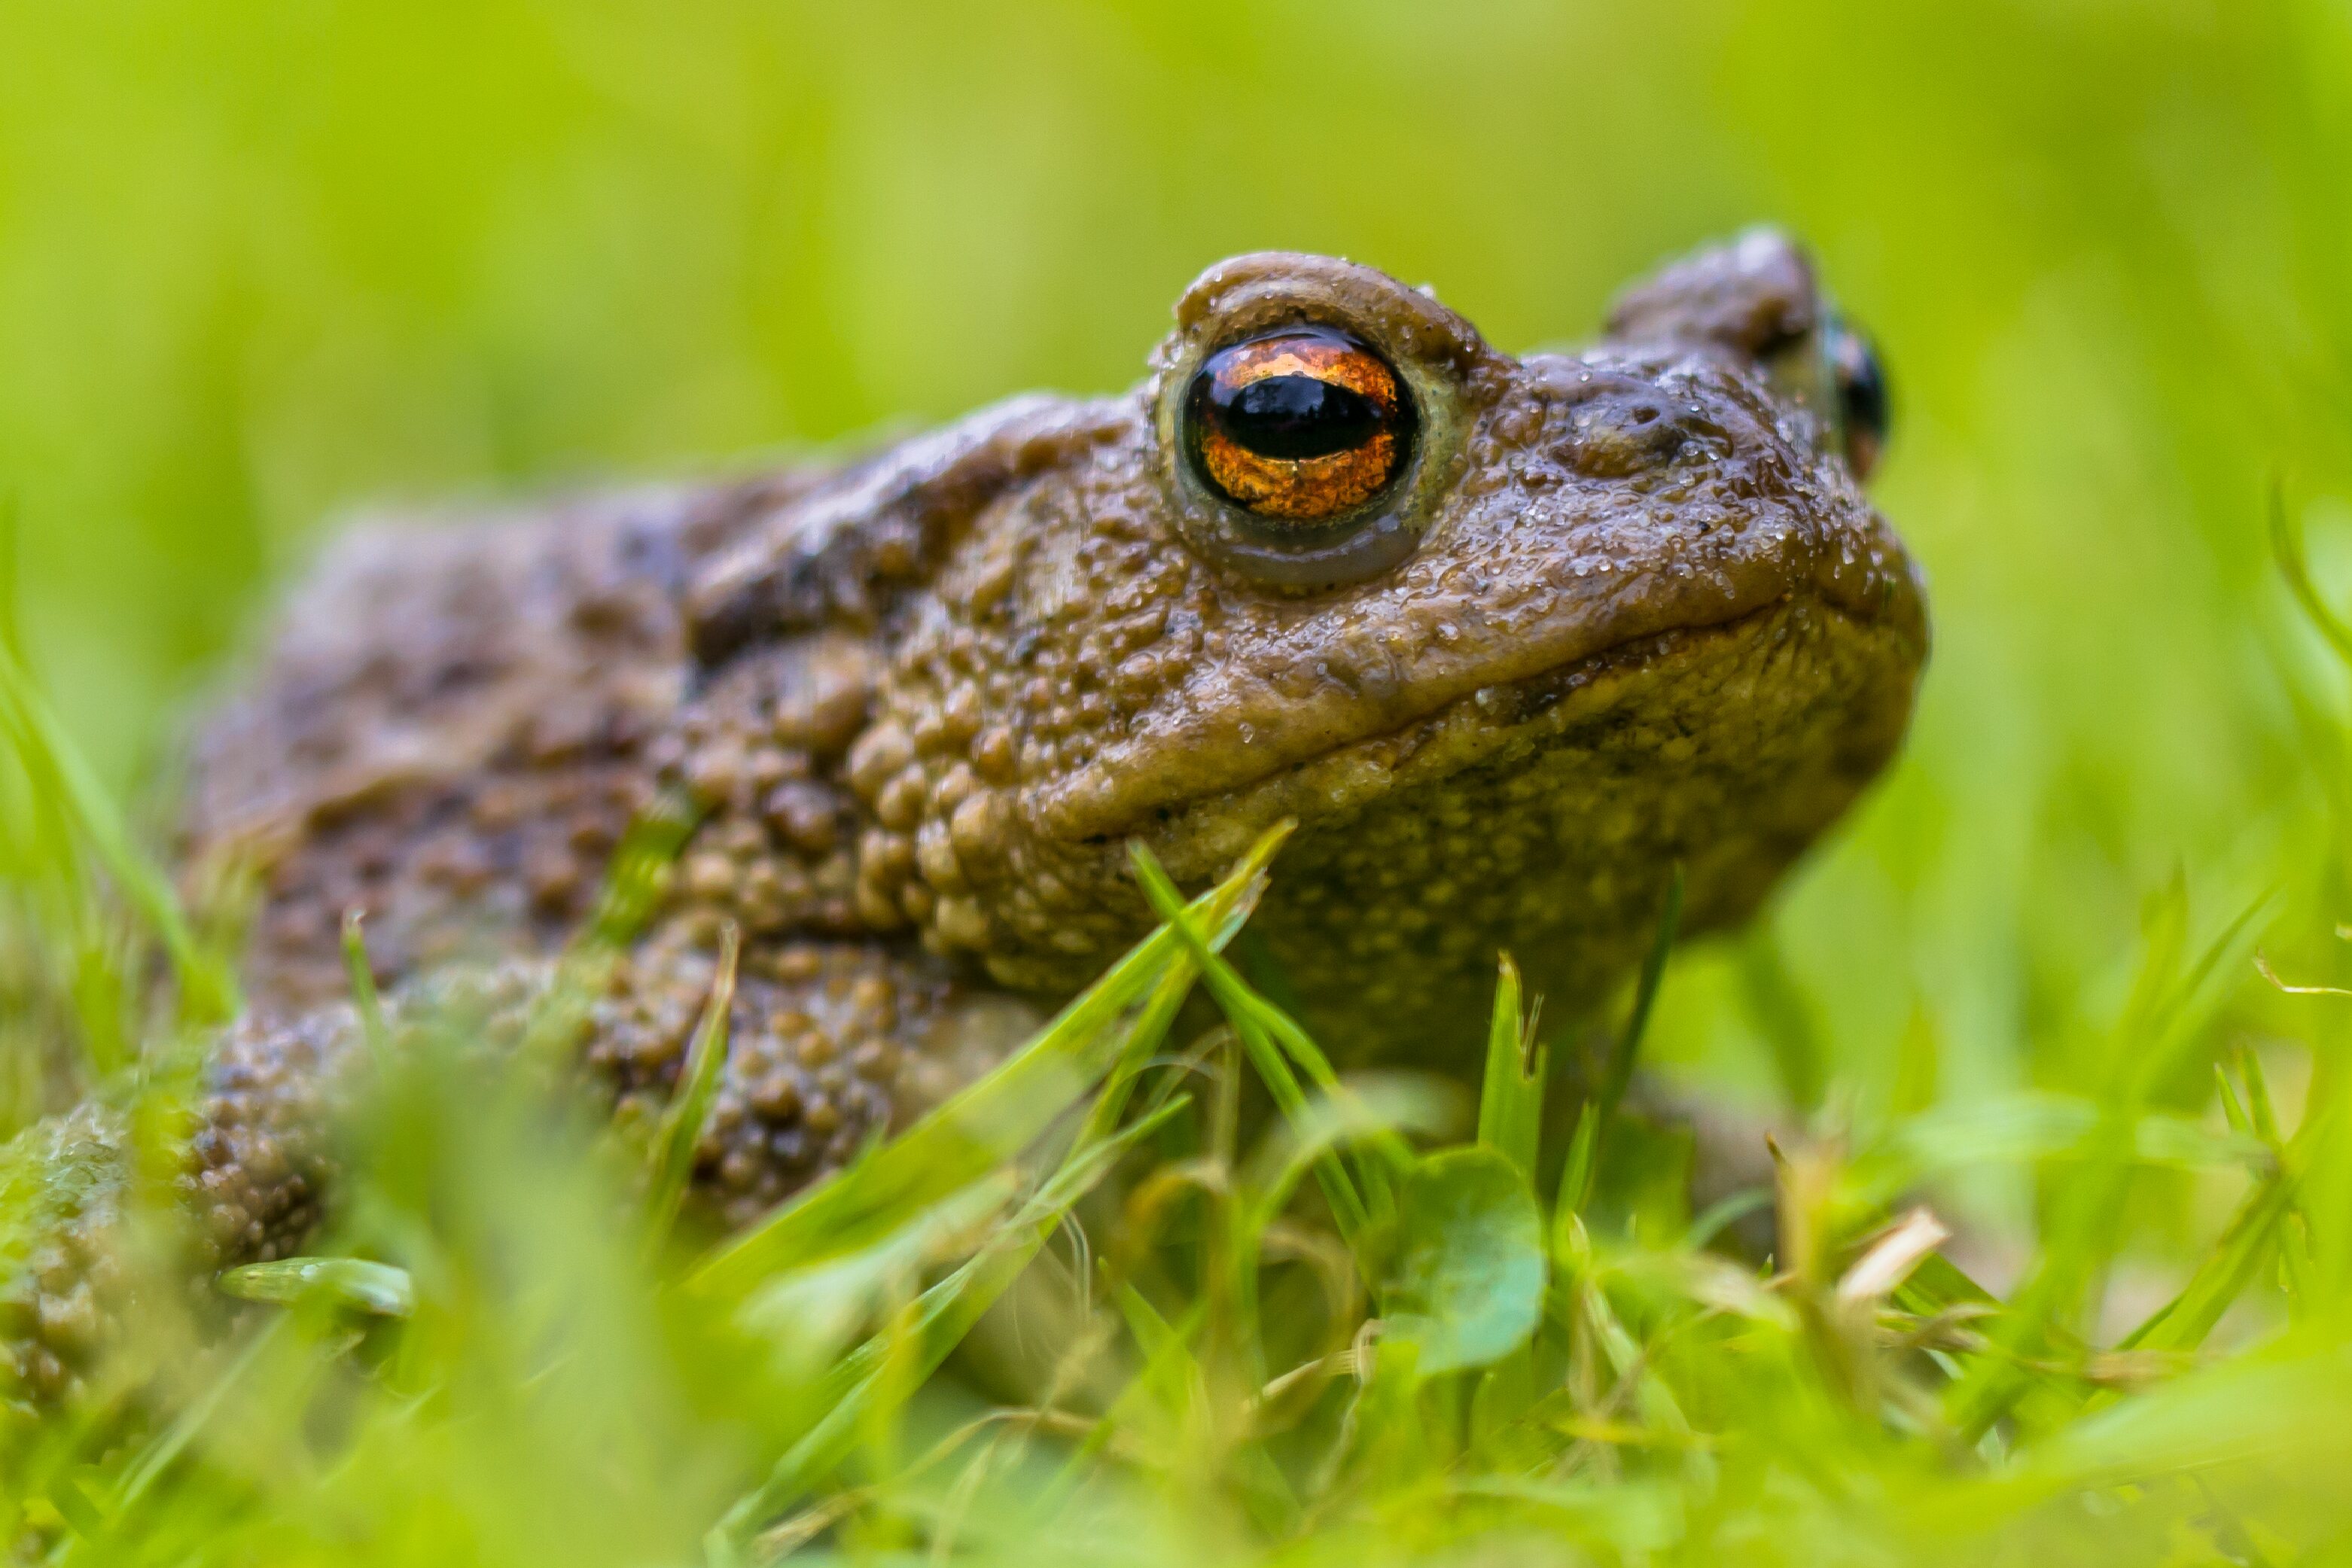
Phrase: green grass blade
[358,1284]
[1583,1168]
[361,975]
[637,875]
[2286,548]
[682,1123]
[942,1316]
[989,1121]
[1510,1100]
[1274,1042]
[208,992]
[168,1445]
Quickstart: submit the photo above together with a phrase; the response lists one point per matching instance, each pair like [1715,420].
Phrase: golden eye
[1301,425]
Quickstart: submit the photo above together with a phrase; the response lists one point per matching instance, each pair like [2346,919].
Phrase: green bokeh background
[261,263]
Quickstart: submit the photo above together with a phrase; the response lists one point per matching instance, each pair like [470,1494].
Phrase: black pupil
[1295,416]
[1862,388]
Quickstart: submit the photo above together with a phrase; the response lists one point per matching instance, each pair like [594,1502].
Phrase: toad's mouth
[1525,711]
[1779,717]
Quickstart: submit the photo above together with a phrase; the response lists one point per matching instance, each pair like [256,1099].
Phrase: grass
[262,260]
[1089,1309]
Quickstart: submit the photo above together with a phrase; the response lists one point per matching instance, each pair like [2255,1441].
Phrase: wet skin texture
[1583,617]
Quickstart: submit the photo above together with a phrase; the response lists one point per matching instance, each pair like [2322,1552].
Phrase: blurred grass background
[262,262]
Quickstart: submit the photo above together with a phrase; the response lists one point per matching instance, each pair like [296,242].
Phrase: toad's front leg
[827,1044]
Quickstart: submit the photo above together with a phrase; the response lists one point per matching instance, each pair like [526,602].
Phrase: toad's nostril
[1620,435]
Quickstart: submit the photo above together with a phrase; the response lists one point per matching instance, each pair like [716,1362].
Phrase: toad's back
[454,728]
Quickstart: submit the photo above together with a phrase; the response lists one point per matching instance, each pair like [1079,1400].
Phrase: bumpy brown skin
[1629,608]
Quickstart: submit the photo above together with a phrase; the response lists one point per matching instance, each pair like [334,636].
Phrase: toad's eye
[1302,424]
[1863,408]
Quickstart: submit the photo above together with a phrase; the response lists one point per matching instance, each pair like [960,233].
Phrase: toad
[1509,638]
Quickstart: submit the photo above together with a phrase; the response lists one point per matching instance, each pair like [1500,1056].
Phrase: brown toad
[1508,638]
